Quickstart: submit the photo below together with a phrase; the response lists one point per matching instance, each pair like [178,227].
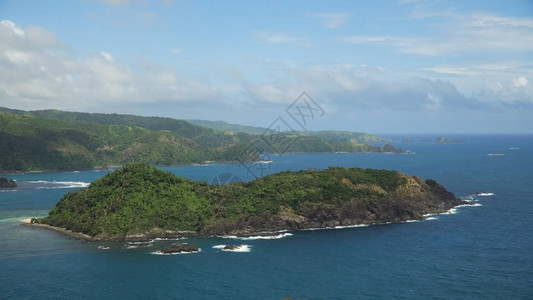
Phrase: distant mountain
[59,140]
[225,126]
[324,134]
[346,136]
[32,143]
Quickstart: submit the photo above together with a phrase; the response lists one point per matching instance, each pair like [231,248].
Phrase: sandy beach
[75,235]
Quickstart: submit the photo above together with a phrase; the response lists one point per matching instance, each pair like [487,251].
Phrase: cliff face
[410,200]
[138,199]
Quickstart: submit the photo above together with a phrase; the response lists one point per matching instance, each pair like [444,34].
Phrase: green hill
[346,136]
[138,199]
[332,135]
[59,140]
[227,127]
[32,143]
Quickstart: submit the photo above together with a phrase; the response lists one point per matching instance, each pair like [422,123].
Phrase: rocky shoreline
[170,235]
[141,203]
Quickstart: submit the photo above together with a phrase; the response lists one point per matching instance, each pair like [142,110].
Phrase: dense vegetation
[58,140]
[334,135]
[139,199]
[31,143]
[225,126]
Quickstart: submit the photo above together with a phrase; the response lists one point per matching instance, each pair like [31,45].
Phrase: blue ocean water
[477,252]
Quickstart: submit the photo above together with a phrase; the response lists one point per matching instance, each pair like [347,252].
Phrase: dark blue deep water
[481,252]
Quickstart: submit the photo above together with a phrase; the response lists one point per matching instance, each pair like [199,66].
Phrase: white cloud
[40,72]
[107,56]
[461,33]
[276,37]
[332,20]
[269,93]
[10,25]
[519,82]
[493,86]
[176,51]
[344,89]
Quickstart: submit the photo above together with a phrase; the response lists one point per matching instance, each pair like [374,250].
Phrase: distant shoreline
[207,163]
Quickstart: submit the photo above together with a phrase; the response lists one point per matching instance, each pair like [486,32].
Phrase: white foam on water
[47,185]
[258,237]
[169,239]
[431,218]
[238,248]
[158,252]
[468,205]
[485,194]
[496,154]
[135,245]
[451,211]
[348,226]
[338,227]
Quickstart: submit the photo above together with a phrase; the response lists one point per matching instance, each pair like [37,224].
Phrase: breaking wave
[47,185]
[258,237]
[236,248]
[158,252]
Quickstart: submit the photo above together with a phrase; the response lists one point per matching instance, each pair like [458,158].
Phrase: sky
[404,66]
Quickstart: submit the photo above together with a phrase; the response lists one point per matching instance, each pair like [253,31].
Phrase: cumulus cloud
[519,82]
[40,72]
[351,87]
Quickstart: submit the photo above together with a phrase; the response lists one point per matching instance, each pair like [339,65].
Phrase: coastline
[172,234]
[205,163]
[68,233]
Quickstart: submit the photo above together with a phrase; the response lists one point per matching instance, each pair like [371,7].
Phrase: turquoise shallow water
[478,252]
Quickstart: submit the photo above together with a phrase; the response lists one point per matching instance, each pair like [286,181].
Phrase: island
[444,140]
[7,183]
[141,201]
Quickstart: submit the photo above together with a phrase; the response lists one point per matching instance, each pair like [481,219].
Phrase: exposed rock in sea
[7,183]
[180,248]
[232,247]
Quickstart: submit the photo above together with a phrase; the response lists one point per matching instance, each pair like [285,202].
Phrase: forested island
[445,140]
[58,140]
[141,201]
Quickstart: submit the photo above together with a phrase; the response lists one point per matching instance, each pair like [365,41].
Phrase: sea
[478,251]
